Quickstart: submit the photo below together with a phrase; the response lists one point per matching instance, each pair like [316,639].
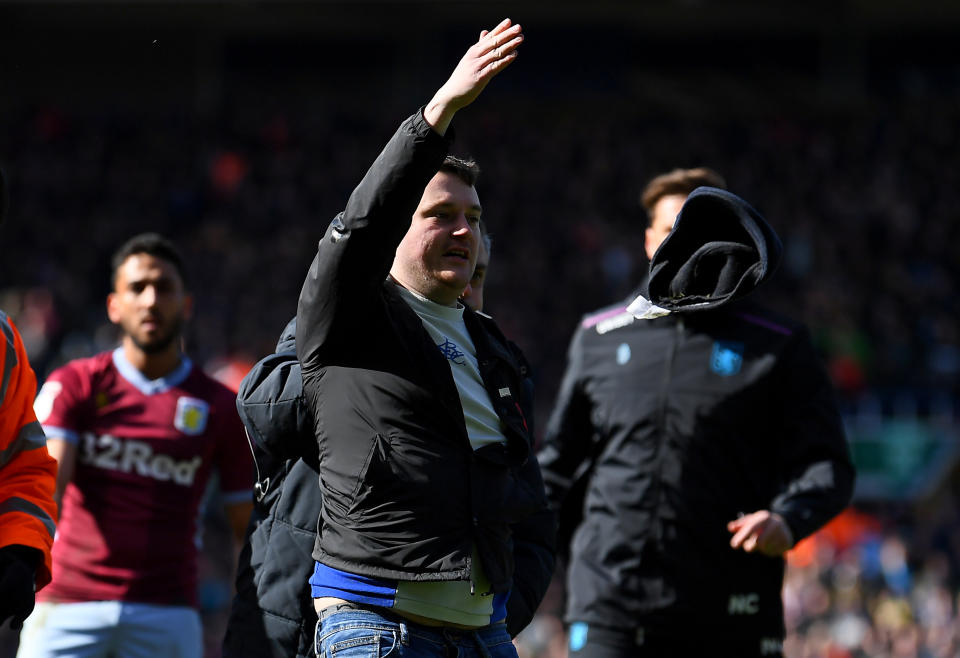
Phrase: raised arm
[355,254]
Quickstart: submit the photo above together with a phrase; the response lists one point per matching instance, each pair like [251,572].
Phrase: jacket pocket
[373,470]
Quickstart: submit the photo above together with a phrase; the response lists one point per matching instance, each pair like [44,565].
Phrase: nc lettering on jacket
[130,455]
[743,604]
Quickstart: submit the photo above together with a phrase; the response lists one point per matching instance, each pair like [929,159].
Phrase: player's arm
[60,407]
[65,452]
[234,463]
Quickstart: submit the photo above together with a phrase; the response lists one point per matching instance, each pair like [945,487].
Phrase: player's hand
[763,532]
[17,577]
[494,51]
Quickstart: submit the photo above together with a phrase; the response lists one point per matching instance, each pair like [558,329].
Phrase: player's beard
[162,341]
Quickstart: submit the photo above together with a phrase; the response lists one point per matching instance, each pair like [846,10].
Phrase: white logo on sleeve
[130,455]
[43,405]
[191,416]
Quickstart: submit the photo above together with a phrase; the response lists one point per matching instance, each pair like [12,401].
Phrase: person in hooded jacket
[702,434]
[272,612]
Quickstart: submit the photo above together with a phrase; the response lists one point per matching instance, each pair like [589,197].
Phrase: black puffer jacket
[272,613]
[404,494]
[679,424]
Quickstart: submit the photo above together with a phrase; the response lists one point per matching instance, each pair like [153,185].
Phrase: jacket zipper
[662,428]
[261,485]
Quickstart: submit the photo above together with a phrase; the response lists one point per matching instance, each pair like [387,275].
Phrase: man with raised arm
[434,519]
[272,613]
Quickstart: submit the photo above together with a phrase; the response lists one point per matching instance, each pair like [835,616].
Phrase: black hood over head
[720,250]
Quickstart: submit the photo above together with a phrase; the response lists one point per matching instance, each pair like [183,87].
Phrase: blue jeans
[361,633]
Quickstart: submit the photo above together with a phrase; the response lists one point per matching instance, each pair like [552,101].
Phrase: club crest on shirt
[727,358]
[450,350]
[191,416]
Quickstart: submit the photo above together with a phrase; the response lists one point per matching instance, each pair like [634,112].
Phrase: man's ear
[113,310]
[187,306]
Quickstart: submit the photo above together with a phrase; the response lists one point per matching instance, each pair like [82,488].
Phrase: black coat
[404,494]
[272,612]
[676,425]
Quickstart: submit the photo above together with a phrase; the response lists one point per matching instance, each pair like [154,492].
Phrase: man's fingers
[748,531]
[742,534]
[501,26]
[501,42]
[507,51]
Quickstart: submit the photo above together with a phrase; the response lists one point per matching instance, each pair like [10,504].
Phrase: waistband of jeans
[361,607]
[389,615]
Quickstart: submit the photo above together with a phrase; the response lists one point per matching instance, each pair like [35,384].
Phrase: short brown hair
[466,170]
[678,181]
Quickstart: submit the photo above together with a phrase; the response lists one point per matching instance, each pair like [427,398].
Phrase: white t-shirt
[446,326]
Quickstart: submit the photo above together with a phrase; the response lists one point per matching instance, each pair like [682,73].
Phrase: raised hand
[493,52]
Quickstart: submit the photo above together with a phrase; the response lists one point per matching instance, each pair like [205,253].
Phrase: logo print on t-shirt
[450,350]
[191,416]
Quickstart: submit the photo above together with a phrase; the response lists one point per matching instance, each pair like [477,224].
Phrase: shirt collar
[151,386]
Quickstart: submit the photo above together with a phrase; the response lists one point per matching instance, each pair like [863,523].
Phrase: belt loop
[450,649]
[480,645]
[316,638]
[404,634]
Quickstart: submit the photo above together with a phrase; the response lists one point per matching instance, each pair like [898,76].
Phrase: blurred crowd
[861,192]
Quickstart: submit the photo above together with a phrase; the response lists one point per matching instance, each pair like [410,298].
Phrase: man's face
[149,302]
[473,294]
[662,217]
[437,255]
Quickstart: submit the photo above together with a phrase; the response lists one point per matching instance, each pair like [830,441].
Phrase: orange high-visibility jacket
[27,471]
